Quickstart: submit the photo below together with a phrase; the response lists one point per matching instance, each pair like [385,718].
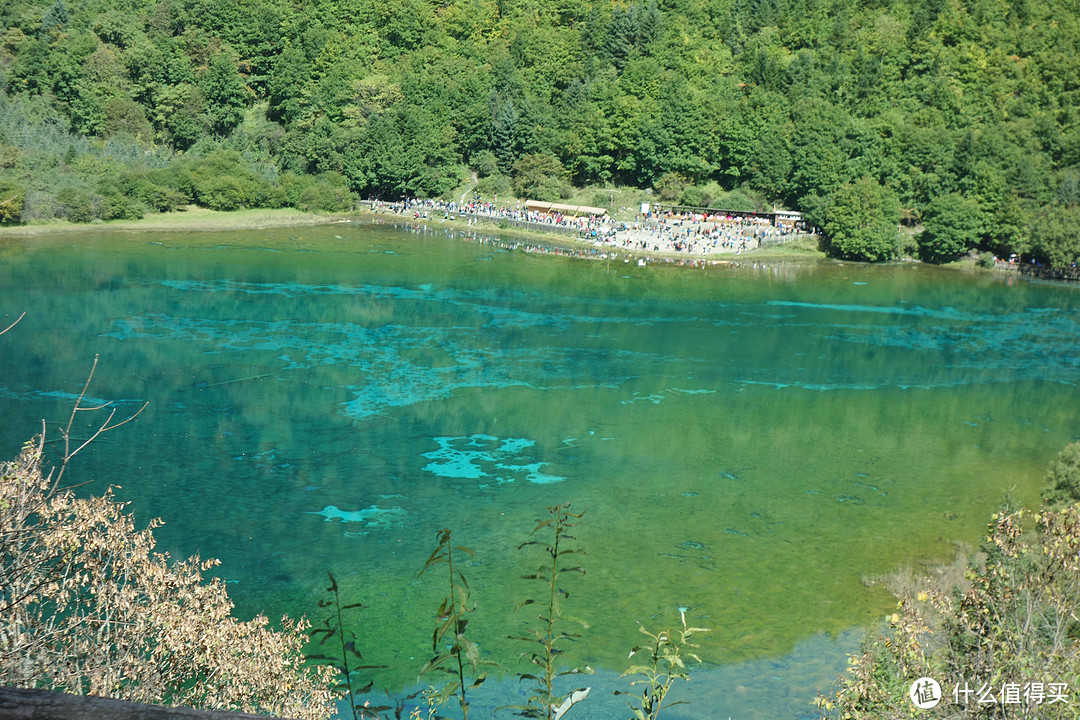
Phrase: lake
[748,443]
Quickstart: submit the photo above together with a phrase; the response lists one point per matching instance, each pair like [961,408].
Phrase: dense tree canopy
[967,112]
[952,224]
[861,221]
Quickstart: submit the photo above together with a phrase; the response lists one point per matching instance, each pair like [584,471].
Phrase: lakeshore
[193,218]
[536,240]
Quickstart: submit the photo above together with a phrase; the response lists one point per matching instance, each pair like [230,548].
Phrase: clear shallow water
[749,443]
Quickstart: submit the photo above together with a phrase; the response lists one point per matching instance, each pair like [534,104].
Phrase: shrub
[223,180]
[271,196]
[492,185]
[326,193]
[77,204]
[739,199]
[124,115]
[223,192]
[115,206]
[952,227]
[156,196]
[12,197]
[670,186]
[861,221]
[9,156]
[1063,478]
[86,606]
[692,196]
[40,205]
[485,163]
[539,177]
[1014,621]
[325,197]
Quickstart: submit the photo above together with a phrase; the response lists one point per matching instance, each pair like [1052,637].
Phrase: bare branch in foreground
[104,427]
[13,324]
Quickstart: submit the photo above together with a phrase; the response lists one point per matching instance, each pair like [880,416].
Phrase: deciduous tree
[861,221]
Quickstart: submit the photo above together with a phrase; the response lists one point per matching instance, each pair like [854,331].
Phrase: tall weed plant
[552,628]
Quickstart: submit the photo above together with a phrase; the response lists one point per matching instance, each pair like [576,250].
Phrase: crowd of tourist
[689,234]
[476,210]
[591,253]
[700,234]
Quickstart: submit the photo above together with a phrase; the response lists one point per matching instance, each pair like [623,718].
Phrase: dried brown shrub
[87,606]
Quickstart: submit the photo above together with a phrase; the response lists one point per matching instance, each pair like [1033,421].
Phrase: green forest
[957,117]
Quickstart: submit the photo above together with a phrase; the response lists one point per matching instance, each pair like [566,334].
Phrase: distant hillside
[959,115]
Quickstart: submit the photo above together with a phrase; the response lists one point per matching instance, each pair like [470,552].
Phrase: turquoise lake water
[749,443]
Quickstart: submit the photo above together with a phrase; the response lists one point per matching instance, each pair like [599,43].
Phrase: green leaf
[537,637]
[472,651]
[322,657]
[441,552]
[464,583]
[373,710]
[434,663]
[435,559]
[541,524]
